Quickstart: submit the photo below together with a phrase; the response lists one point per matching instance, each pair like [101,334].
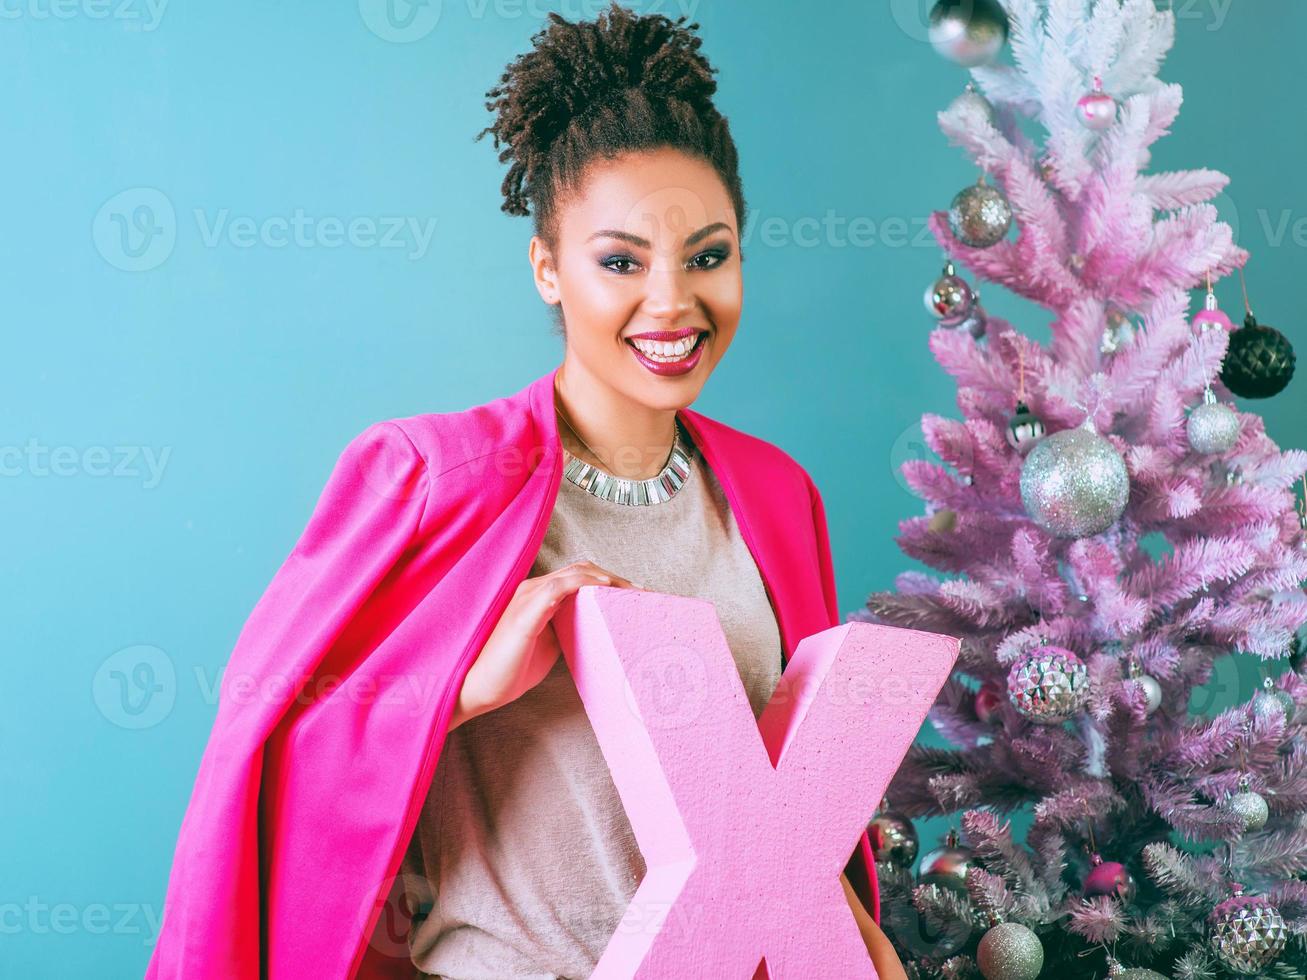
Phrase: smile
[669,357]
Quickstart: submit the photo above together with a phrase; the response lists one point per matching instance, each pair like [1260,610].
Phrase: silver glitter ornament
[1212,427]
[1048,684]
[893,838]
[949,297]
[970,32]
[946,865]
[1248,806]
[1024,429]
[1247,933]
[980,215]
[972,101]
[1118,972]
[1270,701]
[1074,483]
[1010,951]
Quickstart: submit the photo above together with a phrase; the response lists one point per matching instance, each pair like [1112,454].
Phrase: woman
[397,731]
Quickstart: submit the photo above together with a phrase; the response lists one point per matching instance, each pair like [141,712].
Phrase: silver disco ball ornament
[1247,933]
[1048,685]
[1074,483]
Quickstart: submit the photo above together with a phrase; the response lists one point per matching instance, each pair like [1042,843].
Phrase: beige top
[522,849]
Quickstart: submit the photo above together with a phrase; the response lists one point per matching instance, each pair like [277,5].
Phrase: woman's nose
[669,293]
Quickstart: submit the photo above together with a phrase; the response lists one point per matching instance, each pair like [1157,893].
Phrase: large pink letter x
[744,826]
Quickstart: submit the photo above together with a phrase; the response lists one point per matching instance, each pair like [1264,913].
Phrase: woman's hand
[883,957]
[523,646]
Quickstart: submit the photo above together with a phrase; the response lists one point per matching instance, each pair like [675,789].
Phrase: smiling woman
[480,833]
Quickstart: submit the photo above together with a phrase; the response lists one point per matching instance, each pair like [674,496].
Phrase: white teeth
[664,351]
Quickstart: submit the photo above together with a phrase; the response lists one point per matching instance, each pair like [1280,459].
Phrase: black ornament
[1259,361]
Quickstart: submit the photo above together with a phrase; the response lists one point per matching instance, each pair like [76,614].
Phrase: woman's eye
[608,262]
[718,256]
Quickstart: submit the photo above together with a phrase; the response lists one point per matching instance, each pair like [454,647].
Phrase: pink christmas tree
[1108,524]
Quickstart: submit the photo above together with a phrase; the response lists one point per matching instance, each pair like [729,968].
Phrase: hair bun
[624,82]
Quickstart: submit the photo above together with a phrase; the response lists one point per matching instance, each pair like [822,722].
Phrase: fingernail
[605,579]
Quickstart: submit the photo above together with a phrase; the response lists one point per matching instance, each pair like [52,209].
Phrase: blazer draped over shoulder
[335,702]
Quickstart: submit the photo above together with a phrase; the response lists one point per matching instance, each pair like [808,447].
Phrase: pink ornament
[1109,878]
[744,824]
[988,699]
[1097,108]
[1210,316]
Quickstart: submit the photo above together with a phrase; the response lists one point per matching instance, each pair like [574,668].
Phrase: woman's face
[648,275]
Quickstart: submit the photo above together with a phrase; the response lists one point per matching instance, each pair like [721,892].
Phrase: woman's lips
[671,368]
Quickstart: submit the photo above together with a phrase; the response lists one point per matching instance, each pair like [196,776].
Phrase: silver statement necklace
[620,490]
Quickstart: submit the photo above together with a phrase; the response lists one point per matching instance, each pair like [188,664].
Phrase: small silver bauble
[980,215]
[1024,429]
[974,321]
[1048,684]
[949,297]
[1152,692]
[973,101]
[1247,933]
[1248,806]
[1270,701]
[1074,483]
[1010,951]
[1212,427]
[946,865]
[970,32]
[893,838]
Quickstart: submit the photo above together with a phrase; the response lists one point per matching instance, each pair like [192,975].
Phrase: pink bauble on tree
[745,824]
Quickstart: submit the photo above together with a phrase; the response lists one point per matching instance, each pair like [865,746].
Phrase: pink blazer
[335,703]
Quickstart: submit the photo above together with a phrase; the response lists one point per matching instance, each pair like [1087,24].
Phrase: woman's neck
[619,436]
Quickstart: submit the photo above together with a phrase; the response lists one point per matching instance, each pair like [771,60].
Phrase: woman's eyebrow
[639,242]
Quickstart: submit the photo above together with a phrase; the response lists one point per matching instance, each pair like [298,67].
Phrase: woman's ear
[544,271]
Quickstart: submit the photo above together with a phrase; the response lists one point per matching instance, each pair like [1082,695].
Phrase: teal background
[244,368]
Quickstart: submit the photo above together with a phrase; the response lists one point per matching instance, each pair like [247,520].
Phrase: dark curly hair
[624,82]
